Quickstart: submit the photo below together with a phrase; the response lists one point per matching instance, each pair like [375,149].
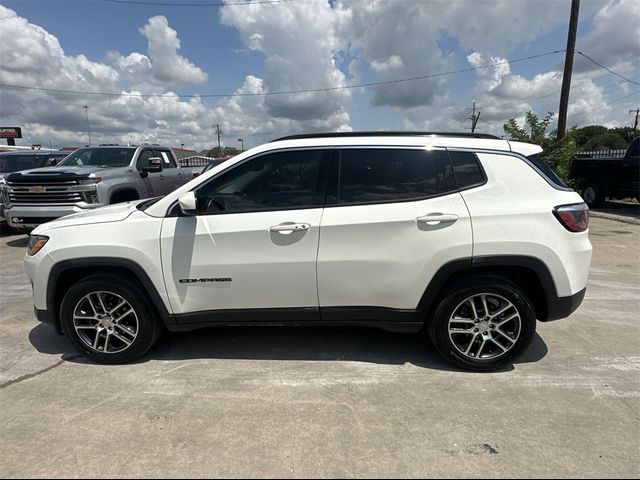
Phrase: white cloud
[314,44]
[33,57]
[301,45]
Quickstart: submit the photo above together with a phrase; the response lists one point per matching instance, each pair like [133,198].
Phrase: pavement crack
[36,374]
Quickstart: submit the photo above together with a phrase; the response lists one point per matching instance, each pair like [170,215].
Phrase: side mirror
[187,202]
[151,165]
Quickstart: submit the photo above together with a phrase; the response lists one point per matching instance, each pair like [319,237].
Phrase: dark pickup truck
[598,175]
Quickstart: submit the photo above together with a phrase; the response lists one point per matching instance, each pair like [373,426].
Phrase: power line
[608,104]
[283,92]
[607,69]
[204,4]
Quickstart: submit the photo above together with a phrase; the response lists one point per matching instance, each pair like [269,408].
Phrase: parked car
[599,175]
[15,161]
[460,234]
[89,178]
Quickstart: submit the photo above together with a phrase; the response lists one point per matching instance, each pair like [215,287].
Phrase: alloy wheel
[105,322]
[484,326]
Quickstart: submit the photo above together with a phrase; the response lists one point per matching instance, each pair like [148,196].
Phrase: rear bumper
[562,307]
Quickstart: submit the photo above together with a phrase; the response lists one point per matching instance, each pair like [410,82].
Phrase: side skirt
[382,318]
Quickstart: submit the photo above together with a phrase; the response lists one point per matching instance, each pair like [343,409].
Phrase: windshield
[99,157]
[14,163]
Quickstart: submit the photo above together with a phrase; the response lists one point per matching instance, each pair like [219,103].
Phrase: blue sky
[258,48]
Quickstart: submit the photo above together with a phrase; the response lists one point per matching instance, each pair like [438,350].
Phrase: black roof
[387,134]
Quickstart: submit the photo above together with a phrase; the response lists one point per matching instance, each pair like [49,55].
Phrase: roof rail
[387,134]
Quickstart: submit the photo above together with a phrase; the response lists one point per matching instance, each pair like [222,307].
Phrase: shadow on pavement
[286,343]
[21,242]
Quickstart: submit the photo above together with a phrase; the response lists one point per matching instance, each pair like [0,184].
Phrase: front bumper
[562,307]
[22,217]
[48,317]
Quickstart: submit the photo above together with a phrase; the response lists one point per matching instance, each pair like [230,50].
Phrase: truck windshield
[13,163]
[99,157]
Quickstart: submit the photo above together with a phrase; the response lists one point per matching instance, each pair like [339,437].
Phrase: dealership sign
[10,132]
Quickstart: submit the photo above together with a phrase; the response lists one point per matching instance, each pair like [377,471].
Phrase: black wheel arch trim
[448,270]
[103,262]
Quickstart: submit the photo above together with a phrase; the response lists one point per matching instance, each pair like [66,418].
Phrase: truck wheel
[483,323]
[593,195]
[109,319]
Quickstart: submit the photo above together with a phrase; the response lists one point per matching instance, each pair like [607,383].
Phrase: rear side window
[466,169]
[388,175]
[546,170]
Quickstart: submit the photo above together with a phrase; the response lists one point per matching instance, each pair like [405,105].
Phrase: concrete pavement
[329,402]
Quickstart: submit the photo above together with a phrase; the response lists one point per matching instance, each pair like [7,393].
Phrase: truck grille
[44,193]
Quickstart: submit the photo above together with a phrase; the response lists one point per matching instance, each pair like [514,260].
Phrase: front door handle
[161,177]
[289,228]
[438,218]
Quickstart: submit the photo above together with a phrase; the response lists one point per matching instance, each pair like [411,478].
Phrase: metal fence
[602,154]
[195,161]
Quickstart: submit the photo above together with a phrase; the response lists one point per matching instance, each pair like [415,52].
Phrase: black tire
[455,296]
[593,195]
[148,327]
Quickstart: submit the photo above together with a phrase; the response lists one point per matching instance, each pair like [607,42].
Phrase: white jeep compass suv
[466,235]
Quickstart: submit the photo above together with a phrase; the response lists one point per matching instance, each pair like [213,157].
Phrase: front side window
[167,160]
[99,157]
[388,175]
[143,158]
[276,181]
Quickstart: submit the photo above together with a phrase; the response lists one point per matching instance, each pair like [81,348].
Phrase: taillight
[195,174]
[574,217]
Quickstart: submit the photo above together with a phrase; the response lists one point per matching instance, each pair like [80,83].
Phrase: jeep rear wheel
[108,320]
[483,324]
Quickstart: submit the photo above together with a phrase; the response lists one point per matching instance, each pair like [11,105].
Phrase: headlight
[36,242]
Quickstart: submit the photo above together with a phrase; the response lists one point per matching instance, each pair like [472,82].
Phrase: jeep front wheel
[108,320]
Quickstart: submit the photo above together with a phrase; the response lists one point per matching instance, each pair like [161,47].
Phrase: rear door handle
[289,228]
[438,218]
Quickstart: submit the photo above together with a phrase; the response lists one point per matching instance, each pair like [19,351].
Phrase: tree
[584,134]
[219,152]
[555,153]
[609,140]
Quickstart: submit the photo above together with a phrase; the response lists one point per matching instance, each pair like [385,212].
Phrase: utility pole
[568,68]
[635,125]
[86,113]
[474,118]
[218,135]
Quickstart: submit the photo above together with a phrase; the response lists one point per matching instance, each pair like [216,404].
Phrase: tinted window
[13,163]
[466,169]
[143,158]
[167,160]
[271,182]
[387,175]
[546,170]
[99,157]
